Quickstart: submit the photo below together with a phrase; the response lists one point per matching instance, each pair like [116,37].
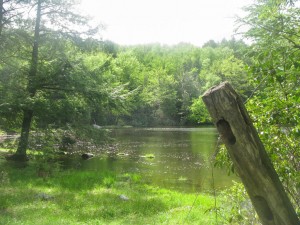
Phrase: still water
[180,158]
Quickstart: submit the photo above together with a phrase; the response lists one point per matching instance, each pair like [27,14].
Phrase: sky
[130,22]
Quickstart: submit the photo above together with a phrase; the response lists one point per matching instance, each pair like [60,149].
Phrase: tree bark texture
[1,16]
[249,156]
[31,88]
[23,143]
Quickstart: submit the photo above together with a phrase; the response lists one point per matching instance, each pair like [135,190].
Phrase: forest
[60,85]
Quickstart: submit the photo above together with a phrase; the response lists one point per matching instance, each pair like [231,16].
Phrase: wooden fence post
[249,156]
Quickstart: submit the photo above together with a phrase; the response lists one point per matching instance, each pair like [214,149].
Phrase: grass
[91,197]
[149,156]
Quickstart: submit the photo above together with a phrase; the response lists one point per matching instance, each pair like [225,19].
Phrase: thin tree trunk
[1,16]
[28,113]
[23,143]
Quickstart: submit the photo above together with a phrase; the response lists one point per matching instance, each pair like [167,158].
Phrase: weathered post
[249,156]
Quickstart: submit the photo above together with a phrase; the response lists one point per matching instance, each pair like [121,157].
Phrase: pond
[172,158]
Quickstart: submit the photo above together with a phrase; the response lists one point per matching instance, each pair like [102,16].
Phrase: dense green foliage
[54,77]
[79,81]
[275,56]
[84,81]
[273,28]
[141,85]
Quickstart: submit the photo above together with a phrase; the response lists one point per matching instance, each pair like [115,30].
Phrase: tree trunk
[1,16]
[249,156]
[23,143]
[28,113]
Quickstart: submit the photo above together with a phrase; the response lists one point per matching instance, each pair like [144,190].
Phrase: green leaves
[199,113]
[275,29]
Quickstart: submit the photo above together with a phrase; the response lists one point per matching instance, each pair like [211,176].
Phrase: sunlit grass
[91,197]
[149,156]
[5,150]
[29,152]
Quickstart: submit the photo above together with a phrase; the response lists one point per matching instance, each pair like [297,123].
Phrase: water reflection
[181,159]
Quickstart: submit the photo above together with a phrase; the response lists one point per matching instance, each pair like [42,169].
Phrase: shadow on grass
[72,196]
[110,207]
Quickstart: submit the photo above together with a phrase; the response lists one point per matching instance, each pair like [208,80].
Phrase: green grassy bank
[29,195]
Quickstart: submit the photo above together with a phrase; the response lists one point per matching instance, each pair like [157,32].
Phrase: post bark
[249,156]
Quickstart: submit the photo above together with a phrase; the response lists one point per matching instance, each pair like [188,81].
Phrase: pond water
[173,158]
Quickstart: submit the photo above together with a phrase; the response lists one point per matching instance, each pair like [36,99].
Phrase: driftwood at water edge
[249,156]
